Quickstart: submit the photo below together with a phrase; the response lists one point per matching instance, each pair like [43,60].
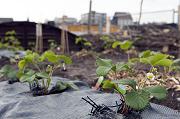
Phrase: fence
[166,16]
[26,33]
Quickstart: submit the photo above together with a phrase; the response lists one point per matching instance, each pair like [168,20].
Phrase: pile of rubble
[157,37]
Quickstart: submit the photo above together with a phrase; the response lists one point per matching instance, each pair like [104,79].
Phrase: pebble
[178,99]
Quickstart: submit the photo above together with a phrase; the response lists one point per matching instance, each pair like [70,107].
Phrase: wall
[94,29]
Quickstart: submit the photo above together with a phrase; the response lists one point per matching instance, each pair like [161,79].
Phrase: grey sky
[39,10]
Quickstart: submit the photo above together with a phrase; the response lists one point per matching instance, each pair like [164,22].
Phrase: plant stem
[43,84]
[128,56]
[38,68]
[125,107]
[144,83]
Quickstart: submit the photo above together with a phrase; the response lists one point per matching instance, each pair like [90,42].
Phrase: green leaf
[60,86]
[134,60]
[28,52]
[176,65]
[72,86]
[126,45]
[30,72]
[21,64]
[31,57]
[120,66]
[19,74]
[153,60]
[158,92]
[10,33]
[50,56]
[42,75]
[105,38]
[80,40]
[66,59]
[116,44]
[88,44]
[105,65]
[145,61]
[176,62]
[129,82]
[5,69]
[12,74]
[137,100]
[157,57]
[8,72]
[107,84]
[120,89]
[145,54]
[104,62]
[28,77]
[164,62]
[102,70]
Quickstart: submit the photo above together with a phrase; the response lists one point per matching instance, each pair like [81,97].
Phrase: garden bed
[84,68]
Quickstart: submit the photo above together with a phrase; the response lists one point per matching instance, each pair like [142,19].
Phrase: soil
[3,61]
[171,100]
[84,67]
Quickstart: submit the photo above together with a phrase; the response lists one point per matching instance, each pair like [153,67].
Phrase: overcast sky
[40,10]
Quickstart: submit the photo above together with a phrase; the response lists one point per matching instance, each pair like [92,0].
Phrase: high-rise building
[122,19]
[96,18]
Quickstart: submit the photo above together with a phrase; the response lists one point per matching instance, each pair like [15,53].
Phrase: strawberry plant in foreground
[136,96]
[37,70]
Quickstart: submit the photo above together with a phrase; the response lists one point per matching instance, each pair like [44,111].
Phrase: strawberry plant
[110,70]
[106,66]
[141,94]
[87,44]
[62,86]
[156,59]
[107,41]
[10,41]
[53,45]
[125,45]
[37,69]
[9,73]
[135,95]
